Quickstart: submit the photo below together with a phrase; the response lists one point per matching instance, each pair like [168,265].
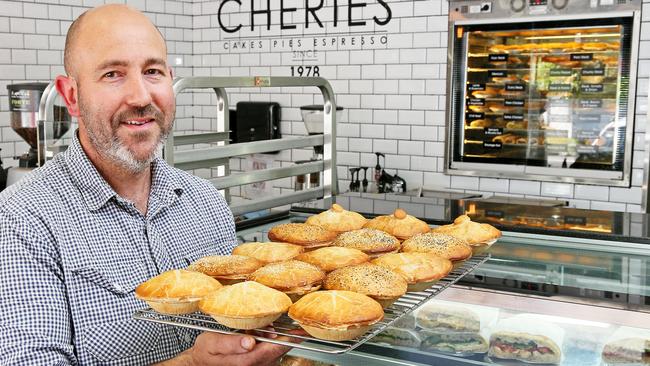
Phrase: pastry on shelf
[400,224]
[517,125]
[228,269]
[380,283]
[474,233]
[336,315]
[309,236]
[420,270]
[480,123]
[269,252]
[330,258]
[443,245]
[373,242]
[338,219]
[245,305]
[294,278]
[176,291]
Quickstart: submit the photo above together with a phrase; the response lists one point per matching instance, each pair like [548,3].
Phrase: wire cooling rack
[282,327]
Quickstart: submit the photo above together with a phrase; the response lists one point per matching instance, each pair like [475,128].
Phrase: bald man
[80,233]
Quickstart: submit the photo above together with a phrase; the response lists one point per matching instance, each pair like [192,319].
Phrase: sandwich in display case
[546,95]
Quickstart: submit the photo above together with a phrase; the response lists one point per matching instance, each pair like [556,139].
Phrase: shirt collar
[96,192]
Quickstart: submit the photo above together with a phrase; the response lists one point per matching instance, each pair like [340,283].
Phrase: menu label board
[582,56]
[498,57]
[590,103]
[474,87]
[575,220]
[494,213]
[514,102]
[497,73]
[588,118]
[475,115]
[559,87]
[560,72]
[492,145]
[591,88]
[476,101]
[513,117]
[593,72]
[587,134]
[493,131]
[515,87]
[586,149]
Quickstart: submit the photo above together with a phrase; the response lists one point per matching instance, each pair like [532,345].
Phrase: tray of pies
[329,284]
[285,327]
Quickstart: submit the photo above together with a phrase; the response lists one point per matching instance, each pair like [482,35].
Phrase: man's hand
[225,349]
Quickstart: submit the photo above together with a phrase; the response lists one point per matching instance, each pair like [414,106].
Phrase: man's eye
[110,74]
[153,72]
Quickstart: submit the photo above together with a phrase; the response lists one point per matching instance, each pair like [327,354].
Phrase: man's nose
[138,95]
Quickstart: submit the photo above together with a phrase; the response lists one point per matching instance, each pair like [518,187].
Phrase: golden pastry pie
[443,245]
[400,224]
[245,305]
[370,241]
[336,315]
[177,291]
[420,270]
[338,219]
[228,269]
[473,233]
[331,258]
[269,252]
[383,285]
[309,236]
[294,278]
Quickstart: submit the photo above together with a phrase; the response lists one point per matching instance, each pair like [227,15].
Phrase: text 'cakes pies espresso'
[338,219]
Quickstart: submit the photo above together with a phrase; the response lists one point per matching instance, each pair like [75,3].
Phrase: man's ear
[67,88]
[171,73]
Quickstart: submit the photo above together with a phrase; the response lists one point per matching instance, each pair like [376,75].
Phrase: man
[80,233]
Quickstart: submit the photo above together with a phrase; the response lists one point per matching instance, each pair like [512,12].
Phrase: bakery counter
[543,296]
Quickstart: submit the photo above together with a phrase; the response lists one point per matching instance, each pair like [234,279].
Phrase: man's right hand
[225,349]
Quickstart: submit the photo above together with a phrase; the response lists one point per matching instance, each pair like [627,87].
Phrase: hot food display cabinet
[542,90]
[567,290]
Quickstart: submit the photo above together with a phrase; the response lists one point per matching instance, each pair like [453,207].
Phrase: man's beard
[112,148]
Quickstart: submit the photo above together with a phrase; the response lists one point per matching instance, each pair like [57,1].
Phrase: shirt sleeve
[35,323]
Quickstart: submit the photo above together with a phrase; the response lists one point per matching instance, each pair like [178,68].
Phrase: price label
[476,101]
[515,87]
[587,134]
[492,145]
[590,103]
[582,56]
[474,115]
[575,220]
[588,118]
[513,117]
[560,72]
[559,87]
[591,88]
[514,102]
[493,131]
[593,72]
[497,73]
[474,87]
[498,57]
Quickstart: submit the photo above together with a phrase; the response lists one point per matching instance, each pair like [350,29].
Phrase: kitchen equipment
[312,116]
[24,99]
[307,180]
[256,121]
[398,184]
[542,90]
[365,179]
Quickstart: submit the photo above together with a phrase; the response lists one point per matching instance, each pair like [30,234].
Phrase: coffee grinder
[24,100]
[313,117]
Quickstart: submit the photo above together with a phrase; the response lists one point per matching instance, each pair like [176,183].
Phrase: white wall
[394,94]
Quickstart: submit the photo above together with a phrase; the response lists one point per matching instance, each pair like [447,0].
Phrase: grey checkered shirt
[73,252]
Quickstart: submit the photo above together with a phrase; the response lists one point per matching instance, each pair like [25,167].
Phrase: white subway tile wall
[390,78]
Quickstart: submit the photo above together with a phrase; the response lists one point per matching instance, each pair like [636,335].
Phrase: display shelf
[285,325]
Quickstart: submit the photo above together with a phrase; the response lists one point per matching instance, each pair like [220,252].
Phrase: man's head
[118,85]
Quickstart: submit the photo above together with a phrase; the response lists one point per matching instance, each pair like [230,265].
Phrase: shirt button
[188,337]
[119,288]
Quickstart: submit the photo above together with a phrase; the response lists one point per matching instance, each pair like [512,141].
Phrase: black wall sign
[475,115]
[591,88]
[498,57]
[582,56]
[514,102]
